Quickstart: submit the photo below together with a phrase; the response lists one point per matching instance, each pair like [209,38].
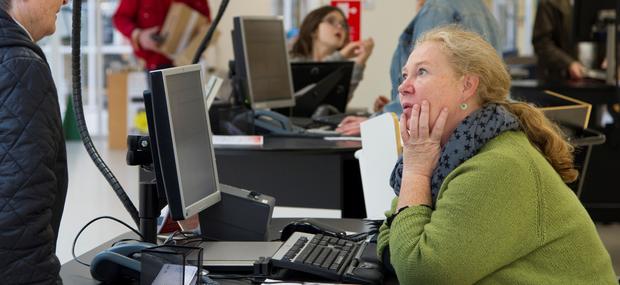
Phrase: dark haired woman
[324,36]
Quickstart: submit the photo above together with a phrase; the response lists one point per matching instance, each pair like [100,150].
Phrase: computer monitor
[321,83]
[180,133]
[261,61]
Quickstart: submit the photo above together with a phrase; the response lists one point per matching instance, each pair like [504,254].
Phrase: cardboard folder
[181,26]
[561,109]
[567,111]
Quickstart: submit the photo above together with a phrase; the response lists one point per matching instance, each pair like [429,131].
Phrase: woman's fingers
[404,132]
[414,119]
[440,123]
[417,127]
[424,114]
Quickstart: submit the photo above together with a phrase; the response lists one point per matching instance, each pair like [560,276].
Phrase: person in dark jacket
[33,159]
[556,52]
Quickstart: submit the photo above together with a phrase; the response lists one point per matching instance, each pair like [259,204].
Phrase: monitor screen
[321,83]
[260,51]
[183,140]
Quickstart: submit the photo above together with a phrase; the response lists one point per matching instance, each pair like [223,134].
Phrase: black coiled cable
[79,114]
[207,38]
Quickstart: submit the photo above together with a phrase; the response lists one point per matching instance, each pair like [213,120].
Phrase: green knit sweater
[502,217]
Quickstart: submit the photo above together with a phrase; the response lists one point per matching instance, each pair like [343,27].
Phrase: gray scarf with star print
[472,134]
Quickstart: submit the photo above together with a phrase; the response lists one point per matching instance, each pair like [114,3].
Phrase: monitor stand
[149,211]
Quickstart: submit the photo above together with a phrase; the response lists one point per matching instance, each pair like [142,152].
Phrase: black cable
[92,221]
[79,115]
[124,240]
[207,38]
[187,237]
[235,276]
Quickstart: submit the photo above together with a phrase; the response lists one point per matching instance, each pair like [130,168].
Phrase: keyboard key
[330,259]
[339,259]
[319,260]
[304,254]
[315,253]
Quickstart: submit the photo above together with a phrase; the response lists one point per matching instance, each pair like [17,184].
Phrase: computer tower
[241,215]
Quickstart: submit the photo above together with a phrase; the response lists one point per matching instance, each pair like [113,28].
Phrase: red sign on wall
[353,11]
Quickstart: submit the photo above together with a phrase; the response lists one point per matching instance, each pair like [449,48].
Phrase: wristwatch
[391,218]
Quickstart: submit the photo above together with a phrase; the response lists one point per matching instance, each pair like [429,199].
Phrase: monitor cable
[92,221]
[209,35]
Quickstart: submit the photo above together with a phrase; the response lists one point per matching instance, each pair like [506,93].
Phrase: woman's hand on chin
[421,146]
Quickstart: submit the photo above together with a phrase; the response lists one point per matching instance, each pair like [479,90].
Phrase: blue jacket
[471,14]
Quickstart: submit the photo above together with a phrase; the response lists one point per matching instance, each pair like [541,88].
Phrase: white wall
[384,21]
[381,20]
[223,48]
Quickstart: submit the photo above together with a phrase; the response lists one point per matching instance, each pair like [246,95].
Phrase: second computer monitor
[262,61]
[321,83]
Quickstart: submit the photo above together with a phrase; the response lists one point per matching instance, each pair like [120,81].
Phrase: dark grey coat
[33,161]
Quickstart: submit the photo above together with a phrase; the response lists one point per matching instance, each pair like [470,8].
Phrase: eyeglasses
[335,23]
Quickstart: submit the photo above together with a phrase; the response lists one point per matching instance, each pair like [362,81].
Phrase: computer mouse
[367,273]
[312,227]
[368,265]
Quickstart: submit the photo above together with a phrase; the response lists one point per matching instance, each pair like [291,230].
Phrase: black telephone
[118,263]
[269,122]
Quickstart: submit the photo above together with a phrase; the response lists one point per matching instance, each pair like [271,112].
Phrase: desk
[599,196]
[298,172]
[73,273]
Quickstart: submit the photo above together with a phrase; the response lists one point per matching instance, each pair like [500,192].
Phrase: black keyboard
[327,257]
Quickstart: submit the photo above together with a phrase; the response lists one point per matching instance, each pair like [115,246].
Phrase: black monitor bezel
[163,145]
[305,73]
[244,70]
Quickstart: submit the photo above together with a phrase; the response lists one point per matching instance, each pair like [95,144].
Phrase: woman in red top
[139,20]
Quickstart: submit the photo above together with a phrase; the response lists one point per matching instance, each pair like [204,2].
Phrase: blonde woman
[481,185]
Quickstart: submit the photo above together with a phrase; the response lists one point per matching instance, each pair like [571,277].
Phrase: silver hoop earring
[464,106]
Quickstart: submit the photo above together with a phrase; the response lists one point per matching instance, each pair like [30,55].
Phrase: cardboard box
[181,25]
[186,56]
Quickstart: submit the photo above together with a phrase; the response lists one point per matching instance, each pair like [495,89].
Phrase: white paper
[237,140]
[171,274]
[343,139]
